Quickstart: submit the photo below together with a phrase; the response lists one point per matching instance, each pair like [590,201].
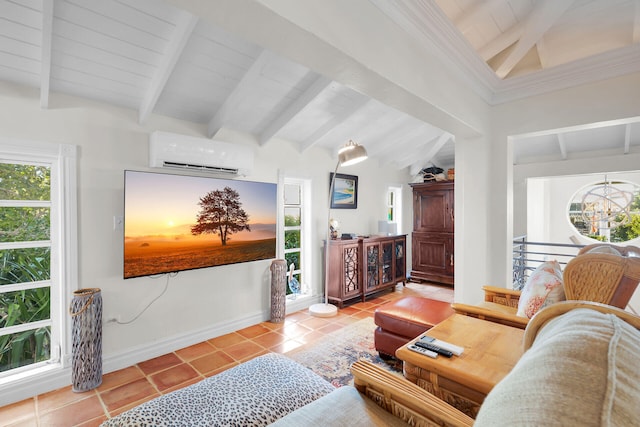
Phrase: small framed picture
[345,191]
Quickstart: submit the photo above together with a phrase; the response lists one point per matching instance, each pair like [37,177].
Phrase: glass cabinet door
[400,262]
[373,265]
[387,262]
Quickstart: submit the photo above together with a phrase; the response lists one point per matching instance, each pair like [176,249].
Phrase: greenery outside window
[296,230]
[394,206]
[37,254]
[25,264]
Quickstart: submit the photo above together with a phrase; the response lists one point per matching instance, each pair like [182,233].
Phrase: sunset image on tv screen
[176,222]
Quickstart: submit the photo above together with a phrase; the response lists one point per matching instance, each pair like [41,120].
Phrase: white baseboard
[56,378]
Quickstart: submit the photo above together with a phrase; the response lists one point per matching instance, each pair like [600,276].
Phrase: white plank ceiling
[151,57]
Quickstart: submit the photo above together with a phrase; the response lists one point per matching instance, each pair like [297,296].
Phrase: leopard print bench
[255,393]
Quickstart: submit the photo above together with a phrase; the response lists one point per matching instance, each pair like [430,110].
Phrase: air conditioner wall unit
[171,150]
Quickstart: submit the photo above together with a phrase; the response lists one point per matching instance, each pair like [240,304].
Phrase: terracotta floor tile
[311,337]
[253,331]
[184,384]
[159,363]
[269,340]
[286,346]
[221,369]
[297,316]
[273,326]
[211,362]
[133,404]
[349,310]
[331,327]
[173,376]
[127,393]
[377,301]
[195,351]
[260,353]
[315,322]
[19,411]
[94,422]
[74,413]
[363,305]
[61,397]
[243,350]
[117,378]
[294,330]
[29,422]
[227,340]
[363,315]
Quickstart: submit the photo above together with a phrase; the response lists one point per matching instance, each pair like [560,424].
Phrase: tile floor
[126,388]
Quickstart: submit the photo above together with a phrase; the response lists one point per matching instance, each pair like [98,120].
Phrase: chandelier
[606,205]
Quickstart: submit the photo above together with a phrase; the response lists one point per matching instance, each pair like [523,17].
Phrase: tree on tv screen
[221,213]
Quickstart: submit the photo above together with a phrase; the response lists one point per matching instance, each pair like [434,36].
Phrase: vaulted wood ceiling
[157,59]
[511,49]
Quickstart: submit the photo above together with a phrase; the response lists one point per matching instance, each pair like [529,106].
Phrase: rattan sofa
[579,368]
[603,273]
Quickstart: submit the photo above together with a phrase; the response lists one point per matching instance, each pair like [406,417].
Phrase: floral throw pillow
[543,288]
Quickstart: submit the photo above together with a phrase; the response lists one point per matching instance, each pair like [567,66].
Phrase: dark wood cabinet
[433,230]
[363,266]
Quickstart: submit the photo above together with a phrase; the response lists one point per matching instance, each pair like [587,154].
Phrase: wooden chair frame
[418,407]
[599,276]
[404,399]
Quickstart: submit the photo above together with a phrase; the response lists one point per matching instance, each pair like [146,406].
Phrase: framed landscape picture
[345,191]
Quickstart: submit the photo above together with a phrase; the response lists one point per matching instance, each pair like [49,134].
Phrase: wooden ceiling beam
[542,17]
[413,145]
[181,35]
[470,17]
[501,42]
[396,134]
[543,52]
[627,138]
[360,102]
[563,146]
[240,92]
[296,106]
[421,156]
[45,56]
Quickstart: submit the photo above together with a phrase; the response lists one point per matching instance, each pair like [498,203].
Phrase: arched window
[607,211]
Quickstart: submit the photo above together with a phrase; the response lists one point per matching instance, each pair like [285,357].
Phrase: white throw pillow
[543,288]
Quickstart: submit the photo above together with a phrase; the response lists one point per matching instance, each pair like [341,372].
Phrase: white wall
[544,214]
[198,304]
[555,202]
[358,46]
[611,99]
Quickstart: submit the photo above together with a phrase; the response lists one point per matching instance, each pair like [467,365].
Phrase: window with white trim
[295,242]
[37,207]
[394,206]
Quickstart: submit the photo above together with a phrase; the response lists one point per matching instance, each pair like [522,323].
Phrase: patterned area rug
[331,357]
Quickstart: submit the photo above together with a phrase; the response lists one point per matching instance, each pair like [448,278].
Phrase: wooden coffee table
[490,352]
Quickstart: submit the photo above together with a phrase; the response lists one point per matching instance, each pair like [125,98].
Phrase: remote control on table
[429,353]
[455,349]
[434,348]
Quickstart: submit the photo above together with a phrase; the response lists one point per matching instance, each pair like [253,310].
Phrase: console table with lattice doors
[363,266]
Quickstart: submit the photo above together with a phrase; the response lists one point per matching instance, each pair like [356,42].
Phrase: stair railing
[527,256]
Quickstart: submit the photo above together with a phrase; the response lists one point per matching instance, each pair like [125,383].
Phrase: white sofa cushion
[582,370]
[343,407]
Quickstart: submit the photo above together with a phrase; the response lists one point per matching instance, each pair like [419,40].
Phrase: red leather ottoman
[402,320]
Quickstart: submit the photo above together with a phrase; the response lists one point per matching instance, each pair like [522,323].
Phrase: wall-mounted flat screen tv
[176,222]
